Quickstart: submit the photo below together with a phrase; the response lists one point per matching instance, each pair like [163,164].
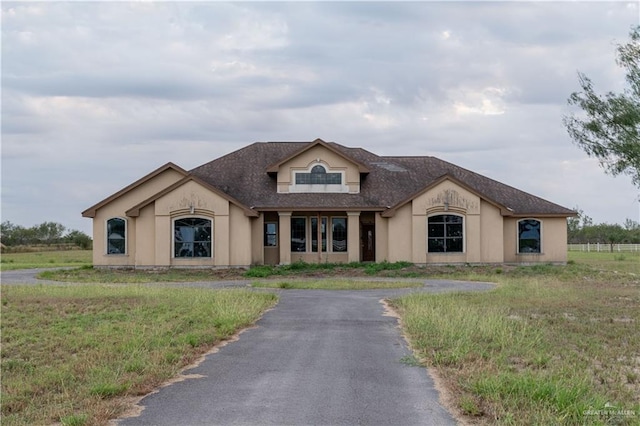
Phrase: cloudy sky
[97,94]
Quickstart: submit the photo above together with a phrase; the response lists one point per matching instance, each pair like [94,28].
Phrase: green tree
[79,238]
[49,232]
[609,129]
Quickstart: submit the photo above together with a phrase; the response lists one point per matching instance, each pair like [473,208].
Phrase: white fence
[604,247]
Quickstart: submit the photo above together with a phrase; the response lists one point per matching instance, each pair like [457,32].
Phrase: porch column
[353,236]
[284,239]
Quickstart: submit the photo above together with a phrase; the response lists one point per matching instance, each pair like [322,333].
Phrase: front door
[368,242]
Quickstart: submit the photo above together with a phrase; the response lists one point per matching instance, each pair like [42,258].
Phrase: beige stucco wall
[332,161]
[400,235]
[447,198]
[554,241]
[491,233]
[117,208]
[145,237]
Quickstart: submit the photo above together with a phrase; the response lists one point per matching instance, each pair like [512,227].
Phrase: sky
[96,95]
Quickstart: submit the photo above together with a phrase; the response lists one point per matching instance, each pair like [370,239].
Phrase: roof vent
[389,166]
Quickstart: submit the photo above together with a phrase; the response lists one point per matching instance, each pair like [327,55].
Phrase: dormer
[318,168]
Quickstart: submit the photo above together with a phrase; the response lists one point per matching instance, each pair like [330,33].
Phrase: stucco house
[282,202]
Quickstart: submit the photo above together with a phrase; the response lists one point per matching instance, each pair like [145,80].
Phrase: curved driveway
[318,358]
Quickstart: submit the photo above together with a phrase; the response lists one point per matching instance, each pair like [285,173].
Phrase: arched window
[192,237]
[445,234]
[529,240]
[318,176]
[116,236]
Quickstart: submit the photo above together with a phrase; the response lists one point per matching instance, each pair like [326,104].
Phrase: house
[283,202]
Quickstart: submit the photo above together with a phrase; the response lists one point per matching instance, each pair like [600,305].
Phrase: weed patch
[70,354]
[549,345]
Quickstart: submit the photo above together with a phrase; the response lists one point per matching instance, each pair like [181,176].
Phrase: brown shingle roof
[390,181]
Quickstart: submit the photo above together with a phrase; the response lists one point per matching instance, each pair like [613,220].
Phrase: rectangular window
[192,237]
[339,234]
[314,234]
[529,236]
[298,234]
[445,234]
[116,236]
[270,234]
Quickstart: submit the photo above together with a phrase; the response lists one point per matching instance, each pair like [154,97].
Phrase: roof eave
[274,168]
[91,211]
[135,210]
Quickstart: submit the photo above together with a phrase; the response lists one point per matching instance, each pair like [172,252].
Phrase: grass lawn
[72,354]
[336,284]
[45,259]
[550,345]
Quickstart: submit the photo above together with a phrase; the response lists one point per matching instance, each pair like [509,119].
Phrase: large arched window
[529,236]
[116,236]
[192,237]
[445,234]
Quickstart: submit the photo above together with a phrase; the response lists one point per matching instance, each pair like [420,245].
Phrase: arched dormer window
[318,176]
[529,236]
[116,236]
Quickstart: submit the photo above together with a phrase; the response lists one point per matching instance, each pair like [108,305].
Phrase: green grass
[336,284]
[550,345]
[264,271]
[45,259]
[72,354]
[621,262]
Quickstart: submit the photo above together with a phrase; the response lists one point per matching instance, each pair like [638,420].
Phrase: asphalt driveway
[318,358]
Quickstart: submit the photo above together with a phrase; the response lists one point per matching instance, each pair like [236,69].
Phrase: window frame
[125,237]
[324,221]
[328,234]
[173,238]
[519,239]
[318,187]
[313,177]
[346,234]
[305,230]
[266,234]
[444,230]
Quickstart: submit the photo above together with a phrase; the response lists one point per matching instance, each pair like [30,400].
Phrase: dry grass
[551,345]
[73,354]
[45,259]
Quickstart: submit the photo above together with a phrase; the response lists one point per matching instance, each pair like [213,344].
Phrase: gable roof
[135,210]
[307,146]
[389,182]
[91,211]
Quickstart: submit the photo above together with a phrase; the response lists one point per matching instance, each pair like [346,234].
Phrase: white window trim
[173,237]
[106,237]
[464,233]
[318,188]
[518,252]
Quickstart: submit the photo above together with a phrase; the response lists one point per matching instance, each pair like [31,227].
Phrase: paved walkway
[318,358]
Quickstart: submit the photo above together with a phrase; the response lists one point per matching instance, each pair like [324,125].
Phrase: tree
[79,238]
[610,126]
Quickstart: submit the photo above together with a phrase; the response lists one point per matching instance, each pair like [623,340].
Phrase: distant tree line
[582,230]
[47,233]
